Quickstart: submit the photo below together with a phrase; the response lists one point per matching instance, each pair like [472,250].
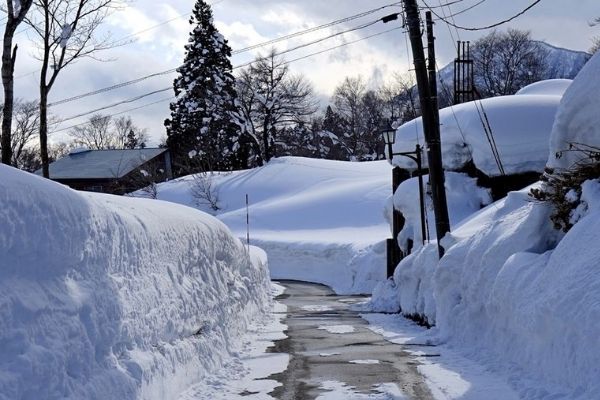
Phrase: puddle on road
[337,328]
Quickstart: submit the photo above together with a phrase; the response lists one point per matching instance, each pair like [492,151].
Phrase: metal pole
[421,193]
[247,224]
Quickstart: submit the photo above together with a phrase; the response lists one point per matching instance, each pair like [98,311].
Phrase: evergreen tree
[203,131]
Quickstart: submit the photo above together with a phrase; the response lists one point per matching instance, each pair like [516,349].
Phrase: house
[112,171]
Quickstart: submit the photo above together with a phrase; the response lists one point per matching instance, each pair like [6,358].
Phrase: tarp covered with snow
[105,297]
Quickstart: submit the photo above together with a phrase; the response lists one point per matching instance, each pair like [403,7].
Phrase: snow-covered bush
[562,188]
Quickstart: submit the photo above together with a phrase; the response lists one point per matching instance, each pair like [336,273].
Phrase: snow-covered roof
[101,164]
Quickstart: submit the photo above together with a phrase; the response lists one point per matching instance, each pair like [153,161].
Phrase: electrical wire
[170,88]
[169,71]
[316,28]
[466,28]
[311,43]
[109,88]
[115,114]
[116,104]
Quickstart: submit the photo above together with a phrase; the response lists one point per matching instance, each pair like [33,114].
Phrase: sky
[156,32]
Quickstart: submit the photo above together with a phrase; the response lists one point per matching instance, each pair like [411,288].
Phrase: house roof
[101,164]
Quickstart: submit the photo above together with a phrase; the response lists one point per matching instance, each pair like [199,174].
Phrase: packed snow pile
[520,126]
[578,120]
[318,220]
[511,291]
[550,87]
[105,297]
[463,195]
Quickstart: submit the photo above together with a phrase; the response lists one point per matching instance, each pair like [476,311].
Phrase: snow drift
[318,220]
[521,126]
[512,292]
[105,297]
[578,120]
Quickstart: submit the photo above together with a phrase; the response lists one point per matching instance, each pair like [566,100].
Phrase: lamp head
[388,132]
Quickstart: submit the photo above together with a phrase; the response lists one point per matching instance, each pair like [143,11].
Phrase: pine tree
[203,131]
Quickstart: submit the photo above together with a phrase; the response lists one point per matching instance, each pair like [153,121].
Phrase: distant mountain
[562,64]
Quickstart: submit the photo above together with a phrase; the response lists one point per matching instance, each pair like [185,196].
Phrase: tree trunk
[44,130]
[8,65]
[265,138]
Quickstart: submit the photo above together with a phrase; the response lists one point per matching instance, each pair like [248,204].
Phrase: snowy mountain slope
[106,297]
[318,220]
[564,63]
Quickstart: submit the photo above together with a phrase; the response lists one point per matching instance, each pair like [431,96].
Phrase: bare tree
[204,192]
[128,135]
[507,61]
[25,126]
[16,10]
[67,31]
[400,98]
[271,99]
[96,134]
[347,100]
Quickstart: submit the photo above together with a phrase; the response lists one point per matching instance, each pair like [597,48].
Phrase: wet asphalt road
[344,350]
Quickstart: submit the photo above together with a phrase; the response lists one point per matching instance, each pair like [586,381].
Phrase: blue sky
[244,22]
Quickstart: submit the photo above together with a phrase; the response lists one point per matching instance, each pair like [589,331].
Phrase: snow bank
[521,126]
[316,219]
[463,195]
[549,87]
[105,297]
[511,292]
[578,120]
[504,295]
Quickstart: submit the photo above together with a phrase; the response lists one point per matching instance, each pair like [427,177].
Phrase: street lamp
[389,138]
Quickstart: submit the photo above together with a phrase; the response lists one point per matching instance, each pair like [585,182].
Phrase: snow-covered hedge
[105,297]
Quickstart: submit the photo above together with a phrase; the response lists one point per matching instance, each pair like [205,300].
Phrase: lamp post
[389,137]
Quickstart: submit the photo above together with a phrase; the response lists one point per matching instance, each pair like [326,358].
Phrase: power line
[236,67]
[115,114]
[272,41]
[116,104]
[459,12]
[316,28]
[342,45]
[311,43]
[465,28]
[109,88]
[169,71]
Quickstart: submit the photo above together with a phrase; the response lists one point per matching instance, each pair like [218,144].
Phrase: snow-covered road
[334,354]
[317,345]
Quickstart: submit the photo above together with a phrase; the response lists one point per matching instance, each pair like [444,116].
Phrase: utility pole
[430,118]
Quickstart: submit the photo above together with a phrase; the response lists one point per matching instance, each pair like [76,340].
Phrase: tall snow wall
[105,297]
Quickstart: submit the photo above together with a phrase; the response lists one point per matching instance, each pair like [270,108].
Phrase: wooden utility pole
[430,118]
